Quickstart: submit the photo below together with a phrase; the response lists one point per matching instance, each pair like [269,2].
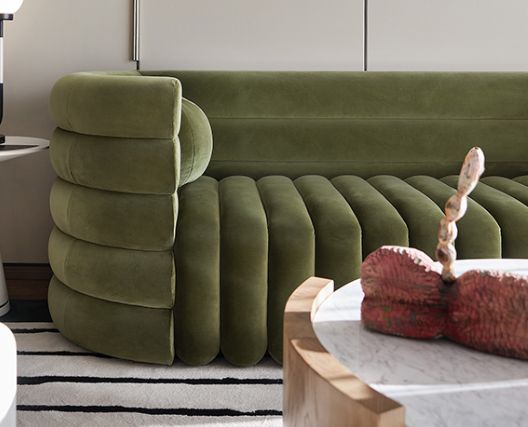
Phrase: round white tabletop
[440,383]
[17,146]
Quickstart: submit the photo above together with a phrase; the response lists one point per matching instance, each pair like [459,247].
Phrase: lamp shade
[10,7]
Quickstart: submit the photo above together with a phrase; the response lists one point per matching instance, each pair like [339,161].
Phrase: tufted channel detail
[243,245]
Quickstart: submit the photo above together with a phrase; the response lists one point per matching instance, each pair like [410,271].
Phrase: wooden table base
[318,390]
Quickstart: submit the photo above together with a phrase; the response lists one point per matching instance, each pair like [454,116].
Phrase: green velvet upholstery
[144,278]
[479,235]
[130,221]
[126,165]
[128,111]
[364,124]
[121,330]
[123,146]
[386,227]
[243,273]
[196,147]
[511,216]
[419,212]
[337,230]
[124,106]
[197,308]
[291,252]
[166,246]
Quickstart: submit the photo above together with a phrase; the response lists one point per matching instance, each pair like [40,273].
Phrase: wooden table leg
[318,390]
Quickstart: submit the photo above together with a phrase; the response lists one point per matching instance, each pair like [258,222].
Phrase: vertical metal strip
[365,35]
[1,60]
[136,32]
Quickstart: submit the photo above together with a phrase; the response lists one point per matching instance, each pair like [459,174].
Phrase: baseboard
[27,281]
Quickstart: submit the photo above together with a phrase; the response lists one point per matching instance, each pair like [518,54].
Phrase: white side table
[8,377]
[16,146]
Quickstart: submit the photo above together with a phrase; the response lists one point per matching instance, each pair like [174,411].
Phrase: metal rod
[3,17]
[136,27]
[1,63]
[365,35]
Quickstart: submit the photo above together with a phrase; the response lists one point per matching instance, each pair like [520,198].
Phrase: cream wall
[252,34]
[48,39]
[452,35]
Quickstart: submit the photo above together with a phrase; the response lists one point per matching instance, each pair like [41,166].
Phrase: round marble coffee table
[16,146]
[396,381]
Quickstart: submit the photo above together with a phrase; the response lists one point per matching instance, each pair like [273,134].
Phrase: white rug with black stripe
[62,384]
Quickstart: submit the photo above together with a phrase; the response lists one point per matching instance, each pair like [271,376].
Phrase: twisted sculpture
[455,209]
[407,294]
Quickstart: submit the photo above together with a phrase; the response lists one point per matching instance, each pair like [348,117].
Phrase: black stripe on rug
[188,412]
[130,380]
[34,330]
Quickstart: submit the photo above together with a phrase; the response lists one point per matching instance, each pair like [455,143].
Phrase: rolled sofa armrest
[149,138]
[121,105]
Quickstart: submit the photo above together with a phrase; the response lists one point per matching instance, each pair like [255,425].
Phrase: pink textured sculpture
[403,293]
[407,294]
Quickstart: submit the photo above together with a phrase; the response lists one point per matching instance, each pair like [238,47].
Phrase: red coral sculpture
[408,294]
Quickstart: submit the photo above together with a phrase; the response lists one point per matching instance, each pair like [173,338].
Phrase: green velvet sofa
[167,245]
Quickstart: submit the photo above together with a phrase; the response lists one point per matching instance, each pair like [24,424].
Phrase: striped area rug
[60,384]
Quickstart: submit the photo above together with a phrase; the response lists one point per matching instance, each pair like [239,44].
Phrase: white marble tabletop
[440,383]
[17,146]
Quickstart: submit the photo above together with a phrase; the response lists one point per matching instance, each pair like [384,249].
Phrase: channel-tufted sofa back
[365,124]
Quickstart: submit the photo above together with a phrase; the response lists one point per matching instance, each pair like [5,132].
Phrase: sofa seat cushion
[242,246]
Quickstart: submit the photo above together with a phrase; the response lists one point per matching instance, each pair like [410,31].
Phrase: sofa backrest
[361,123]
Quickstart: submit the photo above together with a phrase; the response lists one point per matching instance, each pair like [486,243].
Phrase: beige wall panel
[252,34]
[47,39]
[457,35]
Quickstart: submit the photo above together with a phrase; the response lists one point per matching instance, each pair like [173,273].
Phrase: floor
[27,311]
